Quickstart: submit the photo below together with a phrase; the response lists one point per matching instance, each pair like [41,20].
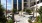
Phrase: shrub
[29,21]
[28,11]
[10,21]
[40,12]
[14,10]
[2,16]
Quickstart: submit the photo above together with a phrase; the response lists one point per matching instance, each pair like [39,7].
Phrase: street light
[6,8]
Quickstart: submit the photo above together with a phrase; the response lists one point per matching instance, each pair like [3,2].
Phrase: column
[22,6]
[17,5]
[28,4]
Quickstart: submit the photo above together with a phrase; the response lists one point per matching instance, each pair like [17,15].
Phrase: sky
[3,2]
[9,4]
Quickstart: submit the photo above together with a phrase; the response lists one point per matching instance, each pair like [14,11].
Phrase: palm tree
[2,16]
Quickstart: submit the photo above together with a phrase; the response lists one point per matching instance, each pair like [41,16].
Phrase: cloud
[3,2]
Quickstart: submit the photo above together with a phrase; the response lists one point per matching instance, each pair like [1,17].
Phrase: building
[19,4]
[29,3]
[26,4]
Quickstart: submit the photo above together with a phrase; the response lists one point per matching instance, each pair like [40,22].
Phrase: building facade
[30,3]
[26,4]
[15,4]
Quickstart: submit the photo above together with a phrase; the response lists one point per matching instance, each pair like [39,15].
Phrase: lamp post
[6,8]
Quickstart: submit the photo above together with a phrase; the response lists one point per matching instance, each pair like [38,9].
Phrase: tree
[13,11]
[2,16]
[40,12]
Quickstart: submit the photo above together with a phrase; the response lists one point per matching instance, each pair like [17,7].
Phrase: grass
[38,22]
[10,21]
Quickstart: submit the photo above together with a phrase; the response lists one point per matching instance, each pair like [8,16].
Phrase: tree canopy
[2,16]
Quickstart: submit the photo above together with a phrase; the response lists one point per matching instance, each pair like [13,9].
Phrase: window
[15,4]
[25,5]
[25,0]
[19,4]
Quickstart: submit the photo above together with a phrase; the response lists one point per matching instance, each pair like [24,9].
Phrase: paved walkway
[22,19]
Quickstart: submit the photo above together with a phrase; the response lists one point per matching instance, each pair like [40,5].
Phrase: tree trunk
[13,20]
